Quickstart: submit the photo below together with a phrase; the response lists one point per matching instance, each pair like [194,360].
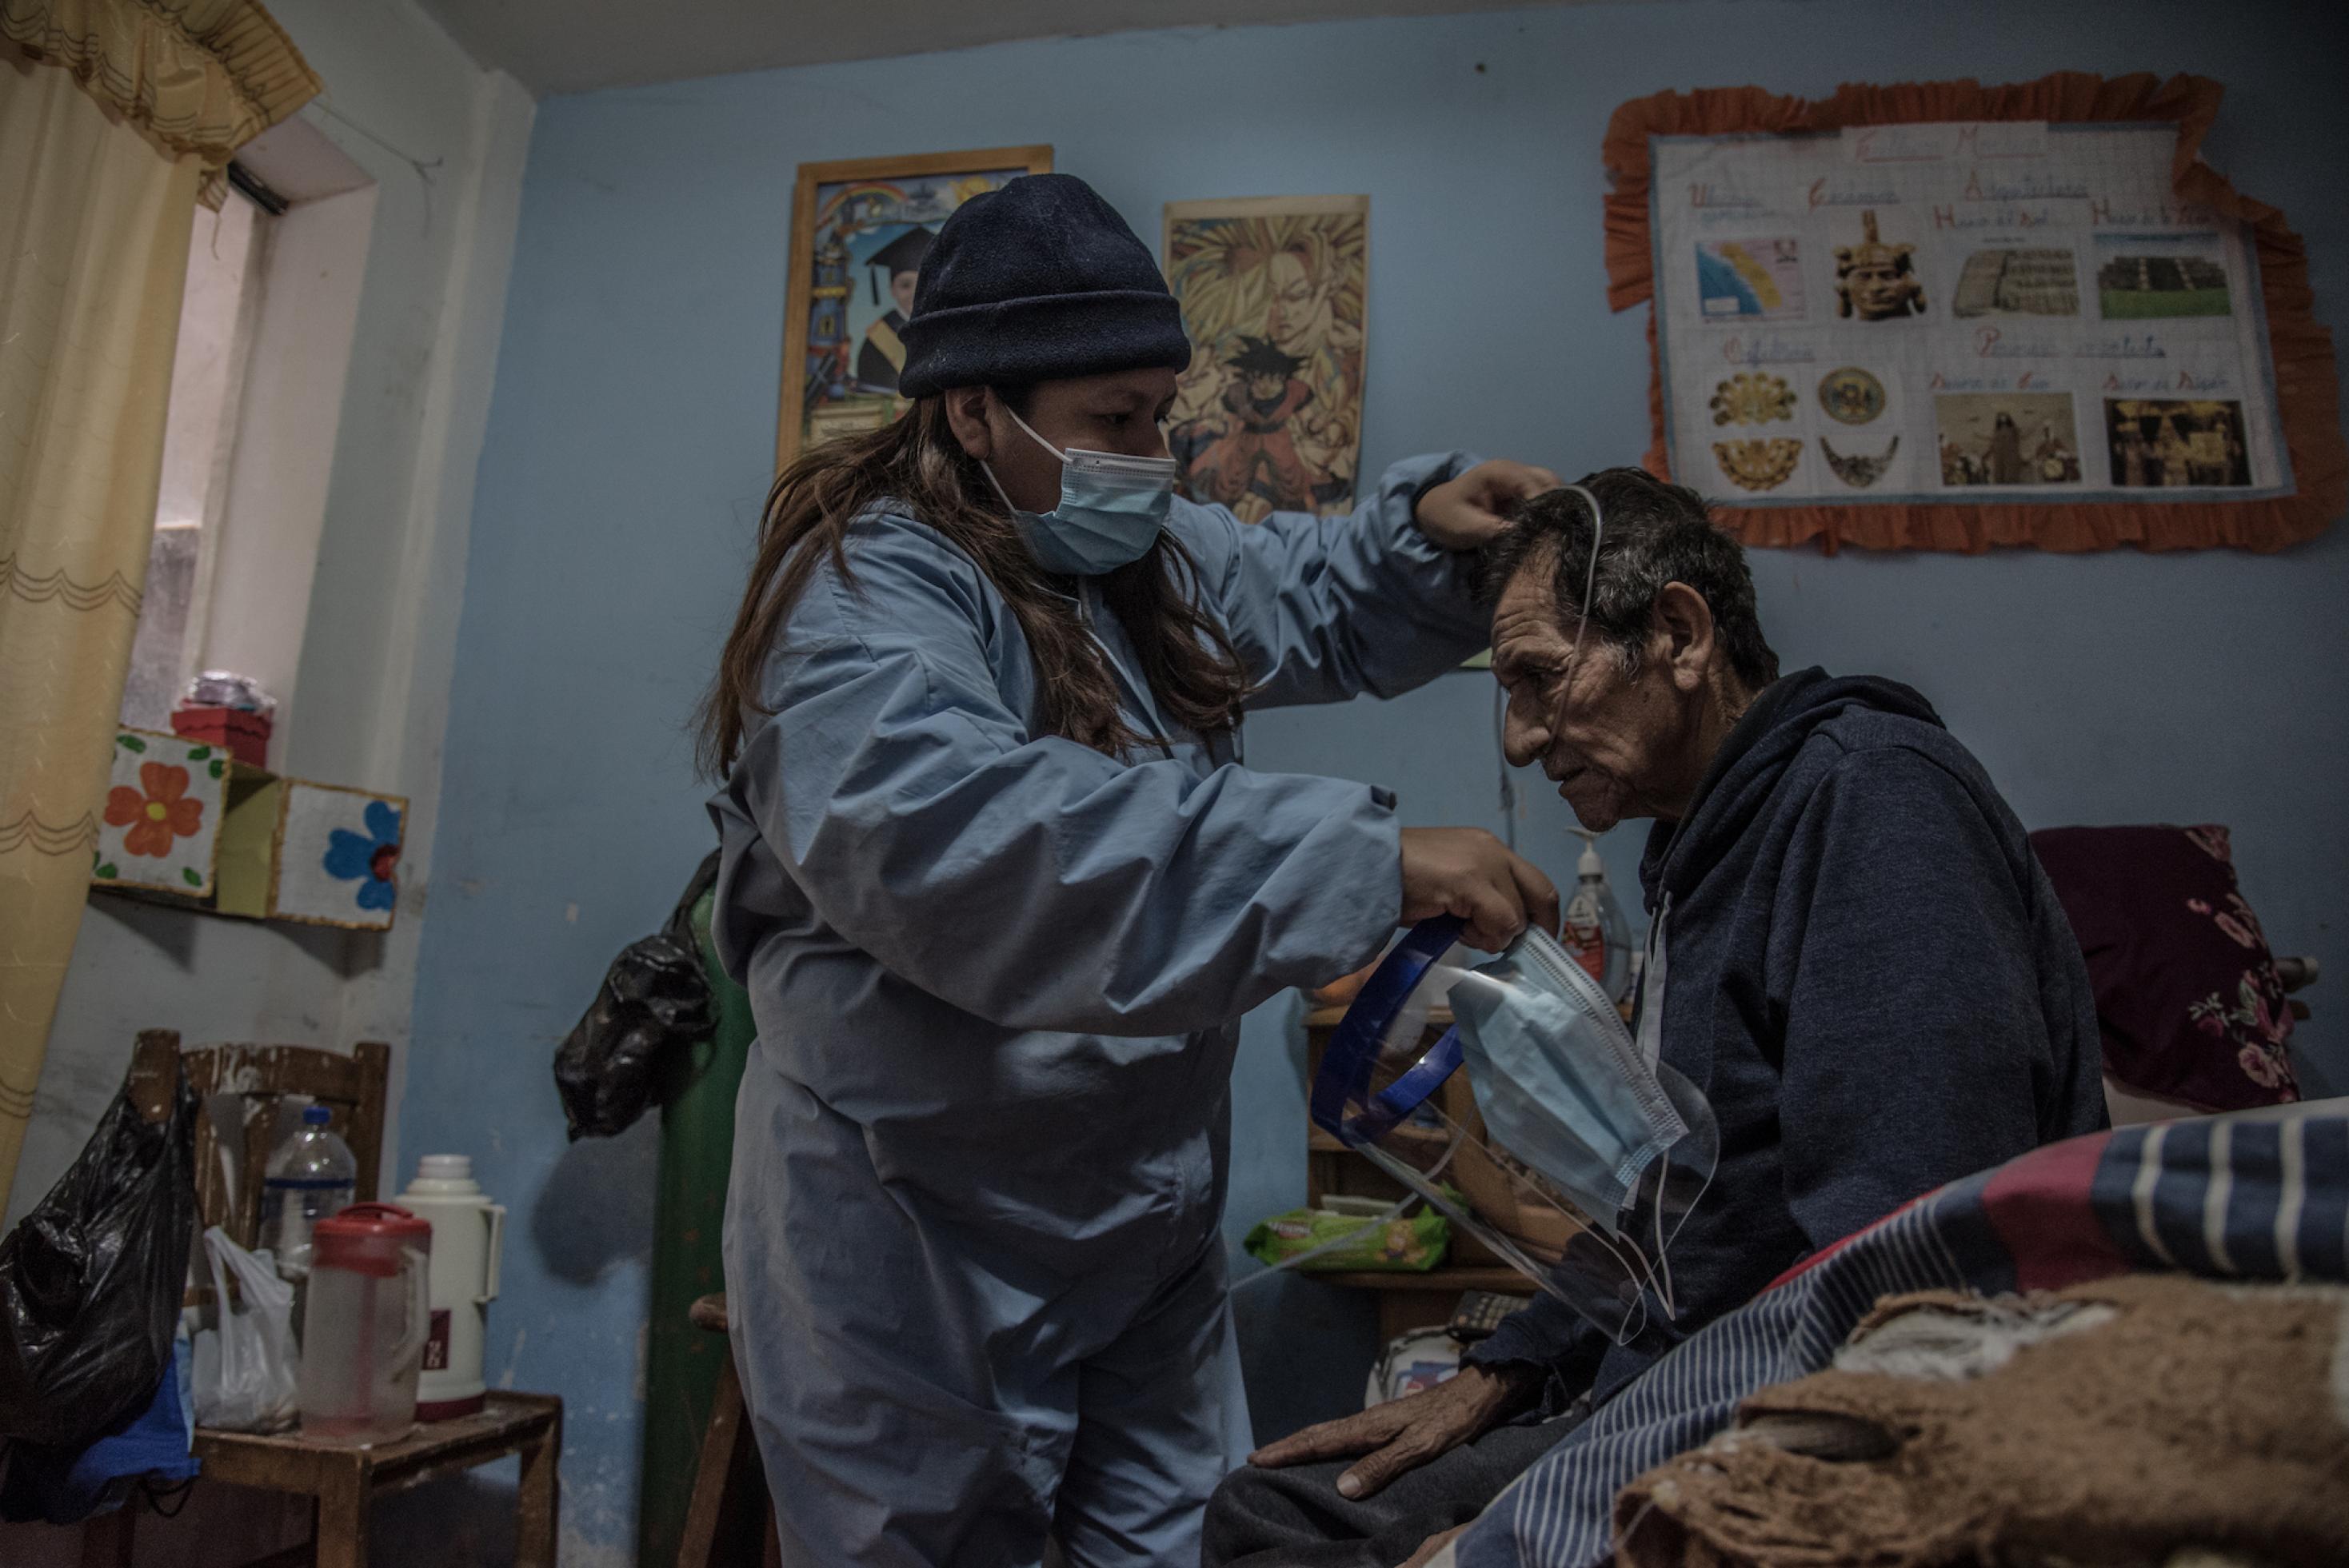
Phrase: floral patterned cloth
[2187,995]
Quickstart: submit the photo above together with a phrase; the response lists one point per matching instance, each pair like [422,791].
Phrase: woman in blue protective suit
[1001,887]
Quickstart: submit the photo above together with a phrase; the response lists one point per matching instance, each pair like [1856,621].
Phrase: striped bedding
[2258,1195]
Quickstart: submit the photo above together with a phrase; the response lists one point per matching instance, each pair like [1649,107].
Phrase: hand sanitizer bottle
[1596,932]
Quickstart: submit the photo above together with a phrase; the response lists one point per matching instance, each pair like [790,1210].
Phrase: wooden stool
[730,1507]
[345,1480]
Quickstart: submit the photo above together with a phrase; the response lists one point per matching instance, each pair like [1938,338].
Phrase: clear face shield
[1574,1156]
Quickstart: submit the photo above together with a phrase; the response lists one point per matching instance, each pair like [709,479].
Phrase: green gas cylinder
[681,1361]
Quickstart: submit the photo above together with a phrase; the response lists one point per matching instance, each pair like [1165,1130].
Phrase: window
[225,259]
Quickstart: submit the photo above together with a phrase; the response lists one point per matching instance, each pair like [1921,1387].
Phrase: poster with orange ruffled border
[1946,316]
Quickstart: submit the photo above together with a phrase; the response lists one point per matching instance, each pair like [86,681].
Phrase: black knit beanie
[1039,280]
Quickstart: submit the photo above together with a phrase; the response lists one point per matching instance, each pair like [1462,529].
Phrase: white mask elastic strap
[1039,439]
[1000,493]
[1589,579]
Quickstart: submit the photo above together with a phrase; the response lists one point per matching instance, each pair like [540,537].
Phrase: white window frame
[266,511]
[211,507]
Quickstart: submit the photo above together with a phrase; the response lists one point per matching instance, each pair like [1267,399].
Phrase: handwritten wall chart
[1979,312]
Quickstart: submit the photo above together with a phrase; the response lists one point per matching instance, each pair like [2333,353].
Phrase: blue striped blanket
[2258,1195]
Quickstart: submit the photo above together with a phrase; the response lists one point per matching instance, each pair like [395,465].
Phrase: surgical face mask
[1561,1084]
[1111,510]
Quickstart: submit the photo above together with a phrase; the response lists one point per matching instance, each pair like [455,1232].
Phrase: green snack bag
[1398,1244]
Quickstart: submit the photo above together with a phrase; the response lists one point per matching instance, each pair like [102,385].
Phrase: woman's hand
[1403,1434]
[1469,872]
[1464,512]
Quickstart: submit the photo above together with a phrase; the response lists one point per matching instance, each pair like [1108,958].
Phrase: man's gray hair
[1655,534]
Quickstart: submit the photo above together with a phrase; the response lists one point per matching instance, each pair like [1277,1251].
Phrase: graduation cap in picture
[1261,357]
[902,254]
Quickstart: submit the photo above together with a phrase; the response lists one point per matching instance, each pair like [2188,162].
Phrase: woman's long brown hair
[916,465]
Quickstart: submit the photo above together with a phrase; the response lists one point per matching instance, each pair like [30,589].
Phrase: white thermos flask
[467,1231]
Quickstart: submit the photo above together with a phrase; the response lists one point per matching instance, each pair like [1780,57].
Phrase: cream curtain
[115,115]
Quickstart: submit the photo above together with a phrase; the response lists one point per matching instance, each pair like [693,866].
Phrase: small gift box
[244,735]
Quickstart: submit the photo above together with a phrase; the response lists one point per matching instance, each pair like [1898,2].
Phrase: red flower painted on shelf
[157,817]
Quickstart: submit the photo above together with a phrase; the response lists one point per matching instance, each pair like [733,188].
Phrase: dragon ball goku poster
[1269,415]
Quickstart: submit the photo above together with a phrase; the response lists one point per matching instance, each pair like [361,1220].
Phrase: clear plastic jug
[365,1326]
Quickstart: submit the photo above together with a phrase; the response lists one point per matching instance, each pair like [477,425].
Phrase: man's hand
[1469,872]
[1464,512]
[1403,1434]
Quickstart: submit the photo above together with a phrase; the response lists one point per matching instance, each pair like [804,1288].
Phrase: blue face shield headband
[1111,510]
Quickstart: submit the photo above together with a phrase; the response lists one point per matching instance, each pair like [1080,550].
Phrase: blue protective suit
[980,1152]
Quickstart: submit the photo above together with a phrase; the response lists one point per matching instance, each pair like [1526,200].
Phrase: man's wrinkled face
[1602,739]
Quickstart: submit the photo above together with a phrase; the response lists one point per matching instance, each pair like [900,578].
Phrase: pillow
[2188,996]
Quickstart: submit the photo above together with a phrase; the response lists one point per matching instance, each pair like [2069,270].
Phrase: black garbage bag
[654,1002]
[90,1281]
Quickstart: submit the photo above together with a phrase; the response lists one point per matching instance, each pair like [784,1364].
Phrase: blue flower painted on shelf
[368,859]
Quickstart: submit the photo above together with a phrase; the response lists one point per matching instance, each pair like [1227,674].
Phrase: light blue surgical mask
[1560,1082]
[1111,511]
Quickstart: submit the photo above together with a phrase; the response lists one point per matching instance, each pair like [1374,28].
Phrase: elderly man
[1866,971]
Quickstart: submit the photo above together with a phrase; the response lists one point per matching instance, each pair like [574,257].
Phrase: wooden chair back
[155,1073]
[352,1087]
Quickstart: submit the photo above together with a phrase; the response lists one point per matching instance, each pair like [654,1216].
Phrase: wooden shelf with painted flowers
[187,824]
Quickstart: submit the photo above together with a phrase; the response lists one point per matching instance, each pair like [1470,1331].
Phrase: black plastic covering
[654,1005]
[90,1281]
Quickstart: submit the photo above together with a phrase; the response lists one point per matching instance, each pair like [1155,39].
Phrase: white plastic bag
[246,1370]
[1413,1362]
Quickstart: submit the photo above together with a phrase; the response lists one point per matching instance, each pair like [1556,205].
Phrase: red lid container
[367,1238]
[245,735]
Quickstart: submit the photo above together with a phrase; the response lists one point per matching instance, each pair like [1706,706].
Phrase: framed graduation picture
[859,230]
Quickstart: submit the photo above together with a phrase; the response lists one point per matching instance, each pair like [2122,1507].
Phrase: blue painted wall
[631,442]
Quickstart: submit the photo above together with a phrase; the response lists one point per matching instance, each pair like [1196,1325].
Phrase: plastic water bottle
[311,1174]
[1596,932]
